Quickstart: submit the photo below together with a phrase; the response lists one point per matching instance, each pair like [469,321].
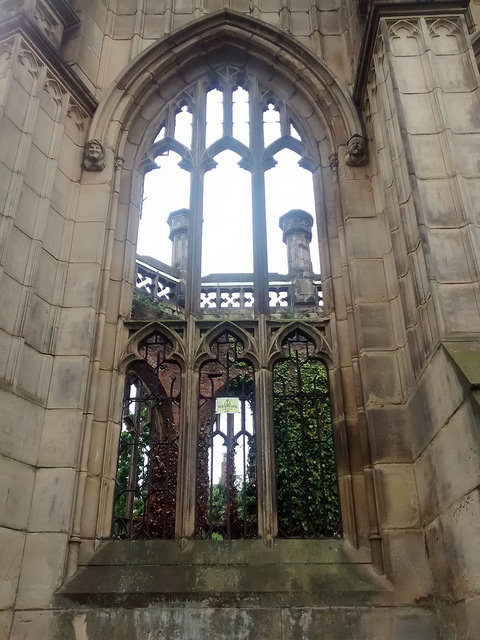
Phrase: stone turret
[178,223]
[297,235]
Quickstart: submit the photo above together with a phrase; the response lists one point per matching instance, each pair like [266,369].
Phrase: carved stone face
[356,147]
[94,150]
[356,151]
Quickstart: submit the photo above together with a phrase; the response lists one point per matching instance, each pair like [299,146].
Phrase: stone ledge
[232,552]
[466,355]
[226,573]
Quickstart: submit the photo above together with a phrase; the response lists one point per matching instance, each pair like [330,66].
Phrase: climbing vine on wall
[307,491]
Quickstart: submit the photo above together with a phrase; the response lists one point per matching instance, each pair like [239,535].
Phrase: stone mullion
[188,430]
[188,435]
[228,111]
[259,223]
[264,428]
[194,262]
[284,122]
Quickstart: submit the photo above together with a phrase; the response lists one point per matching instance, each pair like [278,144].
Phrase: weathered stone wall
[112,34]
[400,245]
[446,448]
[44,343]
[423,103]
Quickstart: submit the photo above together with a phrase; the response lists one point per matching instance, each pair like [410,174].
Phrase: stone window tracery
[226,492]
[307,491]
[186,467]
[221,145]
[145,489]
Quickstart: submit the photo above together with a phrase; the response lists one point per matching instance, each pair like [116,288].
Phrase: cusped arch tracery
[156,77]
[322,349]
[131,352]
[204,350]
[146,479]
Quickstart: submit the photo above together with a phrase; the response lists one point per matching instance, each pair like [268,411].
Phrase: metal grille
[226,504]
[307,490]
[145,487]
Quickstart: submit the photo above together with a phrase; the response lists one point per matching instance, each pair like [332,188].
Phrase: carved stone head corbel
[93,159]
[357,154]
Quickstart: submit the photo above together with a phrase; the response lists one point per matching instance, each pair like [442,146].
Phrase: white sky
[227,214]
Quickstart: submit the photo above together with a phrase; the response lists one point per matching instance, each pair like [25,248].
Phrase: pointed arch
[144,495]
[131,354]
[204,353]
[323,350]
[127,121]
[214,39]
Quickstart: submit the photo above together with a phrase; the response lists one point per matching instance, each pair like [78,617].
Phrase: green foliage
[238,501]
[218,503]
[132,459]
[307,493]
[145,307]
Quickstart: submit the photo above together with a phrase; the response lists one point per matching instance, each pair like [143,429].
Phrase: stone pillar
[420,91]
[297,235]
[178,223]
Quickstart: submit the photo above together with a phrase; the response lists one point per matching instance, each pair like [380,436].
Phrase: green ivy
[145,307]
[307,492]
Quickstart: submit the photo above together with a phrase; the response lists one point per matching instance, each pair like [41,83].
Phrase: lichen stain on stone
[80,626]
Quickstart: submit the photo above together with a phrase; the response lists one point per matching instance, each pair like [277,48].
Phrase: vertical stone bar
[260,260]
[192,297]
[187,454]
[267,503]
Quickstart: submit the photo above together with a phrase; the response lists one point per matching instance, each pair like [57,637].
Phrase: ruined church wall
[44,339]
[112,34]
[422,111]
[405,232]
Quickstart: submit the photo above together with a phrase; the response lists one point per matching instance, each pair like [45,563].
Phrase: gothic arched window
[145,489]
[238,223]
[306,480]
[226,492]
[228,163]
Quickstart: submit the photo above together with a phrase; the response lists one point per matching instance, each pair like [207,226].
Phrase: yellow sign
[227,405]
